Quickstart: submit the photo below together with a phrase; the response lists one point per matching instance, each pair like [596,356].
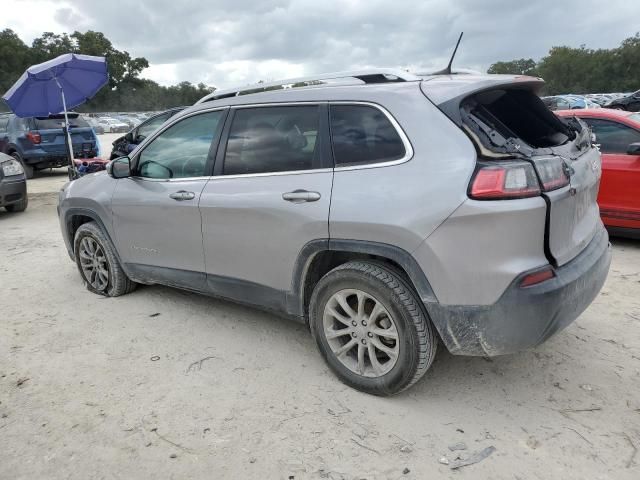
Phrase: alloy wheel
[361,333]
[94,264]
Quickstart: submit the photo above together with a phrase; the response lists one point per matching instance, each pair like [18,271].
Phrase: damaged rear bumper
[526,317]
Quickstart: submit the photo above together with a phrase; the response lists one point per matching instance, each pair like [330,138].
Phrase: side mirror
[634,149]
[119,168]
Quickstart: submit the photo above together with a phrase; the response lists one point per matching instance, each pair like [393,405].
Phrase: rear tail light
[504,180]
[553,173]
[537,277]
[34,137]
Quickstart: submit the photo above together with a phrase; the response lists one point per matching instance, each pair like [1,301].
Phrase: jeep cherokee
[384,209]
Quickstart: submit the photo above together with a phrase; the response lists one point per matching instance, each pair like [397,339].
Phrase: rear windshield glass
[51,123]
[518,114]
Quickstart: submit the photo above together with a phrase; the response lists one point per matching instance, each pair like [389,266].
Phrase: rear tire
[392,341]
[28,169]
[98,264]
[21,206]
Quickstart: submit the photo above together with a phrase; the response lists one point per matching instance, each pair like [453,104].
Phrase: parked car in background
[39,143]
[95,124]
[13,185]
[618,134]
[568,102]
[113,125]
[385,211]
[630,103]
[124,145]
[125,119]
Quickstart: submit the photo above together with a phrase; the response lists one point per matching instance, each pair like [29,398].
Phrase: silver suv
[385,210]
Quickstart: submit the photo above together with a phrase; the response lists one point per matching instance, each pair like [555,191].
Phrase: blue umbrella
[53,87]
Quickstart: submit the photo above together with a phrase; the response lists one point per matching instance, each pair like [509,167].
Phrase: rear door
[618,199]
[268,198]
[155,212]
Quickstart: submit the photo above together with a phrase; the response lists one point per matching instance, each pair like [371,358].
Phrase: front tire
[98,264]
[371,328]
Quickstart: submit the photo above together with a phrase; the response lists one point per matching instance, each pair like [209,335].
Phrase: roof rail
[379,75]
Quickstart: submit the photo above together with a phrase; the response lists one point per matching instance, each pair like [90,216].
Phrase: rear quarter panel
[402,204]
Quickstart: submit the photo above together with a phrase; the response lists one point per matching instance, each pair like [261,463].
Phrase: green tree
[15,56]
[522,66]
[126,90]
[583,70]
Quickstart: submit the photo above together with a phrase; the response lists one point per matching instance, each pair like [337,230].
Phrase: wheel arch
[318,257]
[75,217]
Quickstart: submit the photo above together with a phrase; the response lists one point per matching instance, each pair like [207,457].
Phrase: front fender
[89,196]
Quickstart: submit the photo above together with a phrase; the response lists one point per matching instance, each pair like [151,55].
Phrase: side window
[3,124]
[613,137]
[363,134]
[273,139]
[181,150]
[152,125]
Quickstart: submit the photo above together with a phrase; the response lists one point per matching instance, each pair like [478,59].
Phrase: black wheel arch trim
[295,298]
[84,212]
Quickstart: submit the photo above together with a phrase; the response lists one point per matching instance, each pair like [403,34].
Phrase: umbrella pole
[72,167]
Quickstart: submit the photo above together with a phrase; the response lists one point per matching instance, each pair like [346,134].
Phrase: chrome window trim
[408,148]
[311,103]
[181,179]
[409,152]
[273,174]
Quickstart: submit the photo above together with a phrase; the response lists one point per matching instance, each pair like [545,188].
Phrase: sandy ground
[167,384]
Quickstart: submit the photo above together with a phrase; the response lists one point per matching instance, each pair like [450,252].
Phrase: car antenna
[447,71]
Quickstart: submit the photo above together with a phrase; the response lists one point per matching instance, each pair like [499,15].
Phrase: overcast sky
[234,42]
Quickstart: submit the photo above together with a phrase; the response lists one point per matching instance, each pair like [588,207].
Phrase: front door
[618,197]
[155,211]
[269,197]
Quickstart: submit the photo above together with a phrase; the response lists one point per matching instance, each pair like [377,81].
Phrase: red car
[618,134]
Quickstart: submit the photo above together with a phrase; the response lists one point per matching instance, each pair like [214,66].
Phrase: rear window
[52,123]
[362,134]
[516,113]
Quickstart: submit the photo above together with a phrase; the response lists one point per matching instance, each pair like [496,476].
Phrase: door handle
[182,195]
[300,196]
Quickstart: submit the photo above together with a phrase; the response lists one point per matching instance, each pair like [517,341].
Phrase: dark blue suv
[38,143]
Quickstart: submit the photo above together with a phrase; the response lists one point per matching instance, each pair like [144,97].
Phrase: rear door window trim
[408,148]
[323,138]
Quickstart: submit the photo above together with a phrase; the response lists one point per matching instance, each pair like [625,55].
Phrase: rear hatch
[52,136]
[507,120]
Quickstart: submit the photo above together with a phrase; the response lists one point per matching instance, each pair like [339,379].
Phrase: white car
[113,126]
